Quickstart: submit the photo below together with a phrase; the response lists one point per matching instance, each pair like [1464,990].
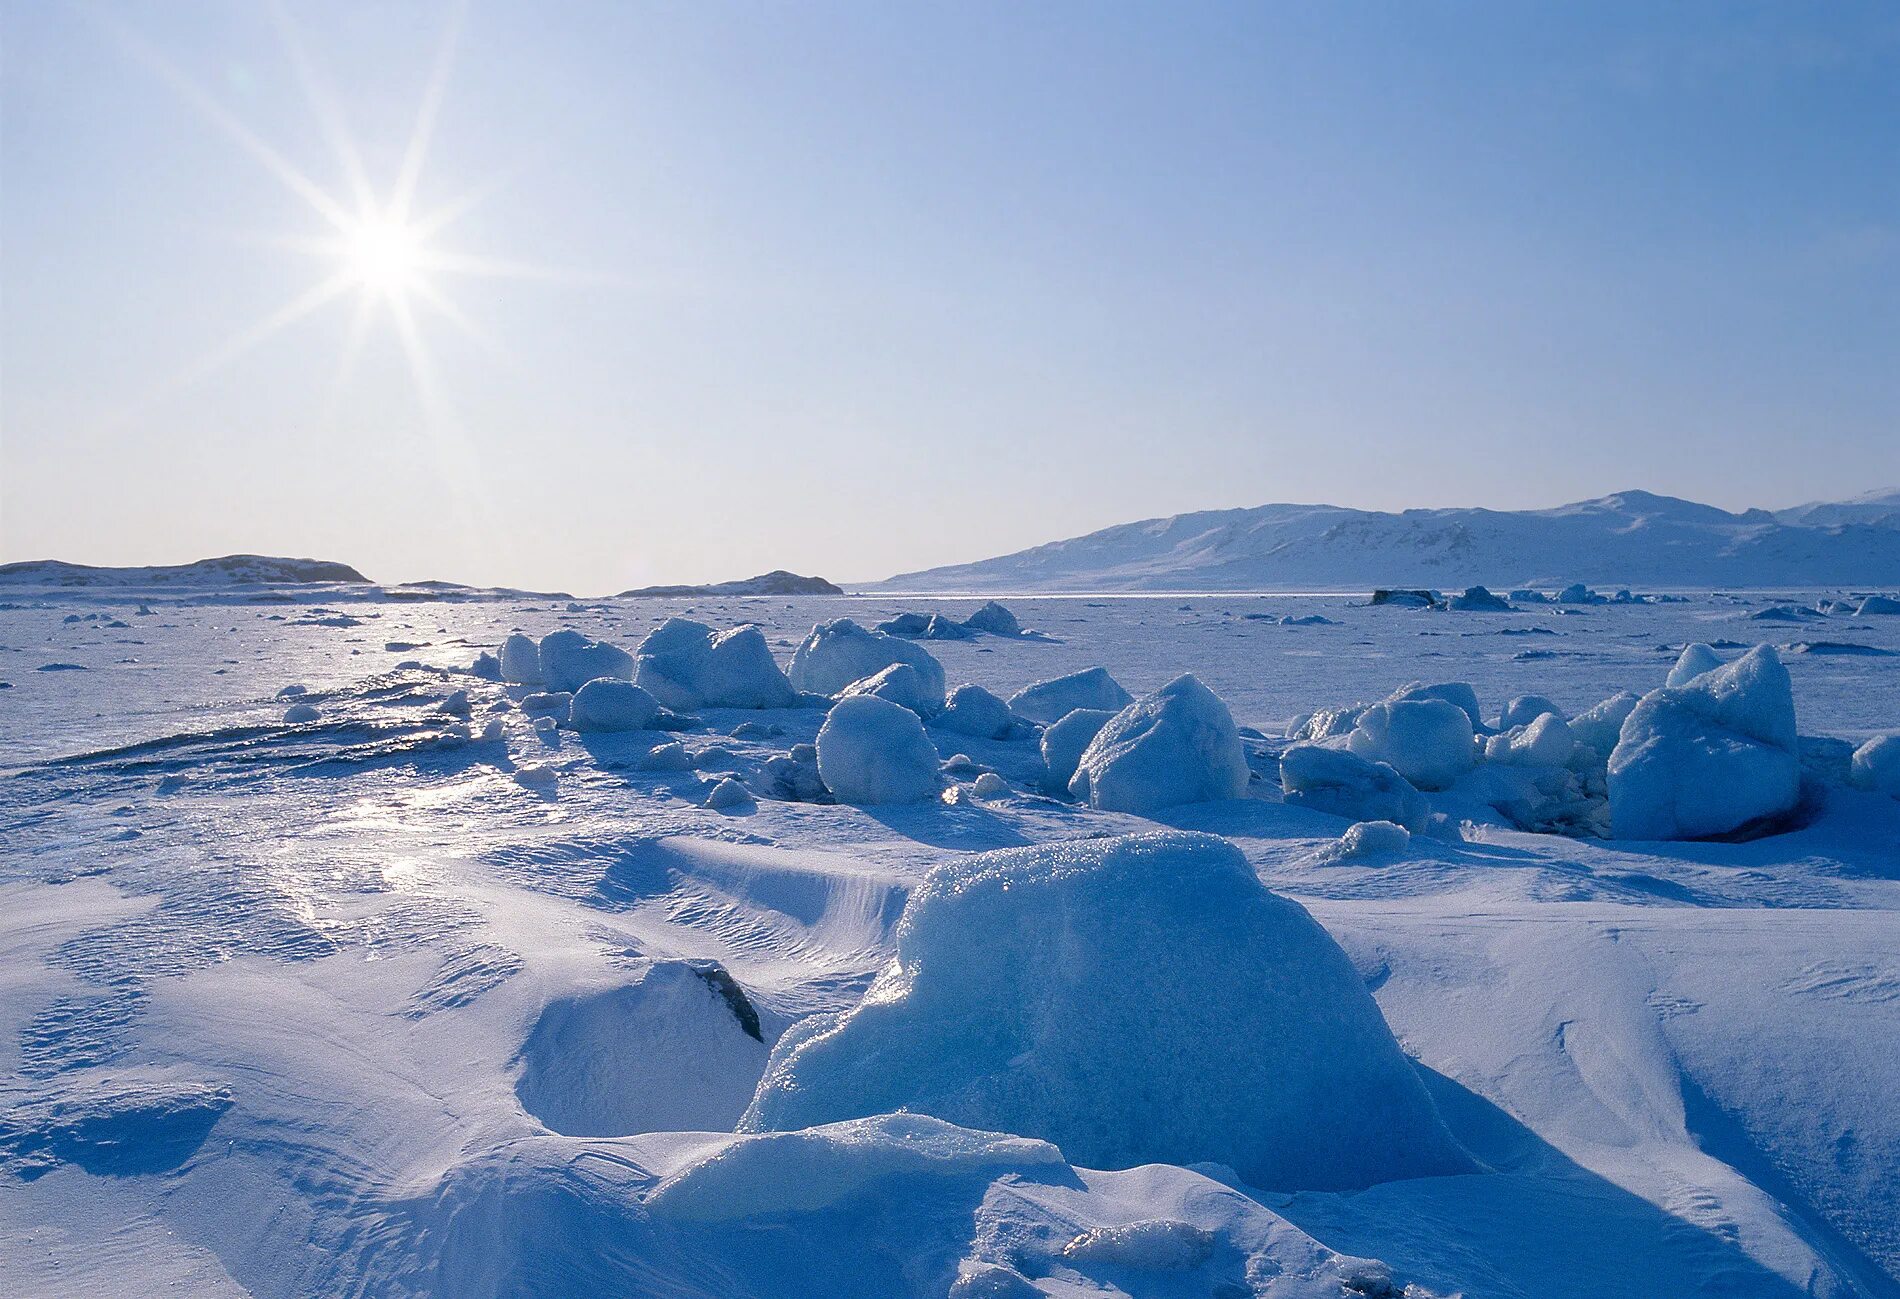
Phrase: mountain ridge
[1626,537]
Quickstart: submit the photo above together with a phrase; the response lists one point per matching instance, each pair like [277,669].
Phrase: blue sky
[859,288]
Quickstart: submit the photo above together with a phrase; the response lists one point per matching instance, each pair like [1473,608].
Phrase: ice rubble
[1345,784]
[871,750]
[1064,741]
[686,665]
[1714,755]
[570,660]
[839,652]
[1134,1000]
[610,704]
[1052,700]
[1178,745]
[972,710]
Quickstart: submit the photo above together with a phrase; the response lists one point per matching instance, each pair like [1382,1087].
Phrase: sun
[383,255]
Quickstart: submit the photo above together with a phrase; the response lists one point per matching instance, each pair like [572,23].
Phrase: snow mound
[680,1050]
[1135,1000]
[902,684]
[298,714]
[972,710]
[1692,663]
[686,665]
[839,652]
[1427,741]
[1345,784]
[1873,604]
[1714,756]
[1876,765]
[871,750]
[778,1173]
[1178,745]
[1374,838]
[521,661]
[1052,700]
[1064,743]
[570,660]
[610,704]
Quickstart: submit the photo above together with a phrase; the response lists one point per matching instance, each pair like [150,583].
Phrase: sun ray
[445,307]
[220,117]
[403,196]
[323,106]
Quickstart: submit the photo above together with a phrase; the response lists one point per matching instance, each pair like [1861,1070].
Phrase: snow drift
[1133,1000]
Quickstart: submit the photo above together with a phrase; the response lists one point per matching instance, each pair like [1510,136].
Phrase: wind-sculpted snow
[304,1008]
[1133,1000]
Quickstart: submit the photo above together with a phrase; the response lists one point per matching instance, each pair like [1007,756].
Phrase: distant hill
[230,570]
[1627,539]
[776,582]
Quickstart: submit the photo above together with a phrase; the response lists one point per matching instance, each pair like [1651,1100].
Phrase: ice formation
[871,750]
[839,652]
[610,704]
[687,666]
[902,684]
[1525,709]
[570,660]
[1713,756]
[972,710]
[1428,741]
[521,661]
[1694,660]
[1343,783]
[1051,701]
[1135,1000]
[1876,765]
[1064,741]
[1178,745]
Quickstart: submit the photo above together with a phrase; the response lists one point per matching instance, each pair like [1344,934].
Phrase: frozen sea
[344,1008]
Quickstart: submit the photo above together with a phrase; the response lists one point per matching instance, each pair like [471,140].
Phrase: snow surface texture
[266,991]
[1178,745]
[1712,755]
[1135,1000]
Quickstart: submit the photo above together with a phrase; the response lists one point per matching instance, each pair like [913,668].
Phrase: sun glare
[383,255]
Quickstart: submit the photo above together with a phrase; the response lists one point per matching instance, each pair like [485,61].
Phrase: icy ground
[351,1006]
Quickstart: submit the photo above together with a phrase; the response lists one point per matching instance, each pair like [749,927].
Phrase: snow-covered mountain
[1629,538]
[229,570]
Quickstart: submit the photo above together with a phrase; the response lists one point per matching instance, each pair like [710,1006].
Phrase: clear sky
[711,288]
